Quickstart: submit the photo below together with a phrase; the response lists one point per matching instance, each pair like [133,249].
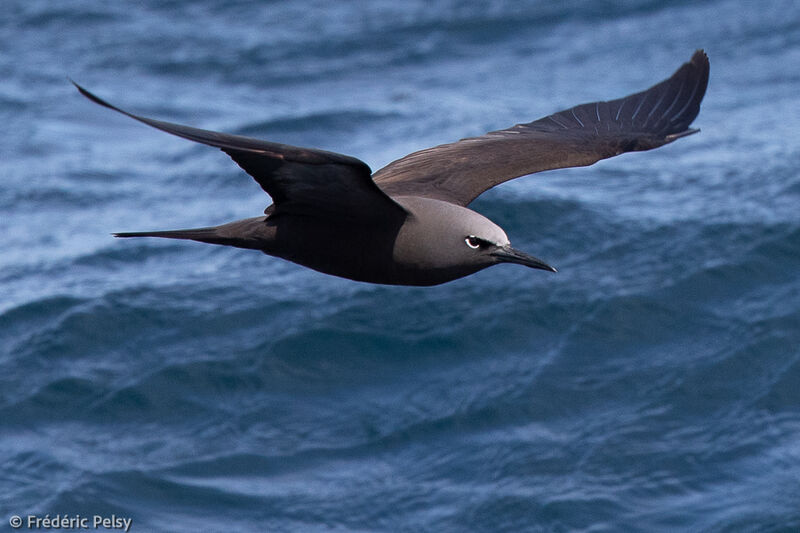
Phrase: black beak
[507,254]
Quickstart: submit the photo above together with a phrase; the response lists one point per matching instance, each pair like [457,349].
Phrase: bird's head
[451,241]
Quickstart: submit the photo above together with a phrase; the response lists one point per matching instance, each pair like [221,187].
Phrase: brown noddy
[408,223]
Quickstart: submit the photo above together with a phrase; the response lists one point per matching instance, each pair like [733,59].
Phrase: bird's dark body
[408,223]
[390,252]
[349,249]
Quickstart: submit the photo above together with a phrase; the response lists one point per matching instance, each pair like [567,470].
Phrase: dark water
[652,385]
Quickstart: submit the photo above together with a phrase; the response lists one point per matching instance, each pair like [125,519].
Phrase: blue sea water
[653,384]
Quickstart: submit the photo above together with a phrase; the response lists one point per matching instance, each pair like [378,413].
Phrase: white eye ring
[473,242]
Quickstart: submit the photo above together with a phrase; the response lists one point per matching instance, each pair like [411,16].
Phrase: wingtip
[699,57]
[91,96]
[700,61]
[77,86]
[694,72]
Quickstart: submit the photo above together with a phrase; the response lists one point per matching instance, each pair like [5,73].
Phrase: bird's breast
[350,249]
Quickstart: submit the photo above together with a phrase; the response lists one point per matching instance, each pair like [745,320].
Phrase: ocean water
[653,384]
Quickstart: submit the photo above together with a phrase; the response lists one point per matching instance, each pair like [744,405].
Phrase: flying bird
[409,222]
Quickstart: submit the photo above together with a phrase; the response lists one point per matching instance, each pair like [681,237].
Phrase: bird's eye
[473,242]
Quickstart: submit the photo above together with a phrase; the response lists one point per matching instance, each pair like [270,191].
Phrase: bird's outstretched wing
[299,180]
[459,172]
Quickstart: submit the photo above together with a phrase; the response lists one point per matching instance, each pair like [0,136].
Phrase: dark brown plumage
[408,223]
[459,172]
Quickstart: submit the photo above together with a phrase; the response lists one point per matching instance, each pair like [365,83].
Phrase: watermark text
[71,522]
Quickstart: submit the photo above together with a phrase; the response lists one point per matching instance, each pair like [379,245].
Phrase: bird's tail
[195,234]
[248,233]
